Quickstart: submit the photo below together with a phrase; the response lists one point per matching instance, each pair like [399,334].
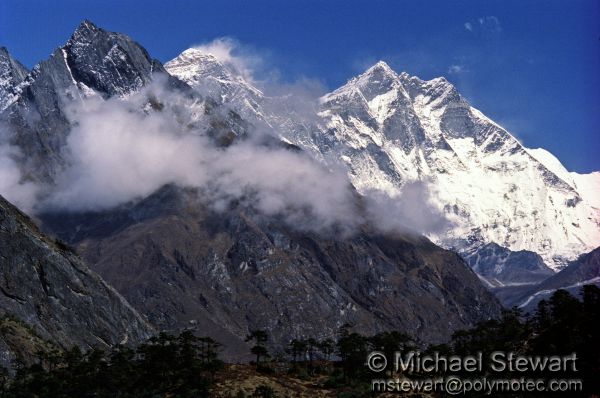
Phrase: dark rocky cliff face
[184,265]
[48,294]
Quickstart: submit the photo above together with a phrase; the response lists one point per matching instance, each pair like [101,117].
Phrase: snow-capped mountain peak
[389,129]
[378,80]
[380,75]
[220,81]
[194,65]
[205,71]
[380,65]
[85,32]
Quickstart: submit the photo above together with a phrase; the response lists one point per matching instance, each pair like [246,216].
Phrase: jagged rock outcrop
[47,294]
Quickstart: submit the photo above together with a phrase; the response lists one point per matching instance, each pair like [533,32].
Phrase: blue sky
[533,66]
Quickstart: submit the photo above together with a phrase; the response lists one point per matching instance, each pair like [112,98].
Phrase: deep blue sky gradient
[534,67]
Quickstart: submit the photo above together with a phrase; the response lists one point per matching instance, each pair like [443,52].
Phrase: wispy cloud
[12,184]
[486,25]
[456,69]
[254,66]
[233,54]
[490,24]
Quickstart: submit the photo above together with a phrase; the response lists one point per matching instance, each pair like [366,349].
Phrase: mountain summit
[109,63]
[390,129]
[217,80]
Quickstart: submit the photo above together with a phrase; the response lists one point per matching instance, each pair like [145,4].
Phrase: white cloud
[485,25]
[12,186]
[456,69]
[490,24]
[231,53]
[118,154]
[413,210]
